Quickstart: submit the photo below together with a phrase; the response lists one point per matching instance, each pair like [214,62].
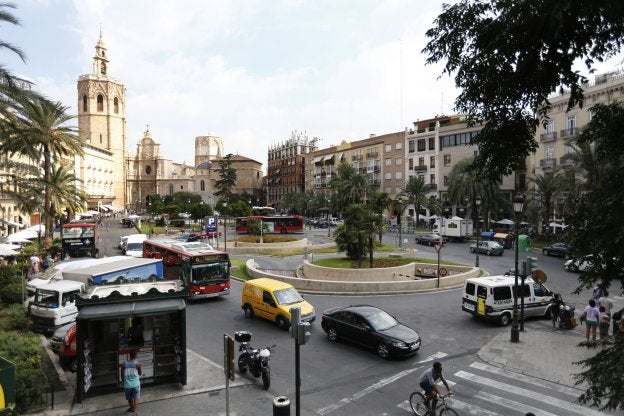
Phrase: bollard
[281,406]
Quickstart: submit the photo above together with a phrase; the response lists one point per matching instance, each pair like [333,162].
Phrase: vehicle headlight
[399,344]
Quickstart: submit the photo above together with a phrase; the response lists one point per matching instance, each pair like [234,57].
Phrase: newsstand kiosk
[107,329]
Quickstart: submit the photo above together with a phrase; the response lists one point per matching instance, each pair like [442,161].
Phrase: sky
[248,71]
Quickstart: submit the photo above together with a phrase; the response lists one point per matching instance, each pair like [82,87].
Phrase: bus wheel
[249,313]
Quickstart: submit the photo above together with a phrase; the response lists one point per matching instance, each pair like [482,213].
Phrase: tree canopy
[508,56]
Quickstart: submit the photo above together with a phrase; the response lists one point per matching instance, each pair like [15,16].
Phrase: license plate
[469,306]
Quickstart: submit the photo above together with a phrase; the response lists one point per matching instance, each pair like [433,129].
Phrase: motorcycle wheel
[242,363]
[266,378]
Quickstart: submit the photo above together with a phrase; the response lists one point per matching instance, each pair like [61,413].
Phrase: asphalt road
[336,378]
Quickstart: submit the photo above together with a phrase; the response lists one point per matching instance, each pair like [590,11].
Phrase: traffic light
[303,332]
[295,319]
[531,264]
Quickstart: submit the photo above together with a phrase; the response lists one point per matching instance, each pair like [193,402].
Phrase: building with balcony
[563,126]
[286,166]
[381,157]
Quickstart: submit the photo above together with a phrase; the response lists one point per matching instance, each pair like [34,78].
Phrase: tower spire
[100,61]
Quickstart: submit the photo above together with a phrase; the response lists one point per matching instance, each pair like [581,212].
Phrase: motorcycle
[256,360]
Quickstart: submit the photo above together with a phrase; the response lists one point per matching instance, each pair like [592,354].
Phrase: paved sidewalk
[542,352]
[203,376]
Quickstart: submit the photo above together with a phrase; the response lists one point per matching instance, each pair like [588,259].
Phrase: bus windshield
[78,231]
[46,298]
[208,273]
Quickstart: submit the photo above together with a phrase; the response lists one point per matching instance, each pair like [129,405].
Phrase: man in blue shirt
[428,384]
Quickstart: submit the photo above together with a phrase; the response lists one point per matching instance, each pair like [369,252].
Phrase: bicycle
[417,402]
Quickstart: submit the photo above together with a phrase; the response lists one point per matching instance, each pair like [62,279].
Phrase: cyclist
[428,384]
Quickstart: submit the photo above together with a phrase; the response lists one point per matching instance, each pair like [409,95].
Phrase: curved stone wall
[346,281]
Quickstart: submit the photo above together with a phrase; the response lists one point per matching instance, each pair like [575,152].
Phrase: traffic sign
[539,276]
[438,247]
[212,224]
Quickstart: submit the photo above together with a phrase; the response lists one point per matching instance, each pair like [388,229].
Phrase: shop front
[108,331]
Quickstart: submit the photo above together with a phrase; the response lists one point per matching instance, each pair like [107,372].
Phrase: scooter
[256,360]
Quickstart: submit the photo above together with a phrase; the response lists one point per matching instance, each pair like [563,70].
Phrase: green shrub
[177,223]
[10,273]
[24,350]
[11,293]
[16,318]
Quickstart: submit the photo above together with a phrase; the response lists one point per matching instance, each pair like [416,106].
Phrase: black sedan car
[557,249]
[372,328]
[429,239]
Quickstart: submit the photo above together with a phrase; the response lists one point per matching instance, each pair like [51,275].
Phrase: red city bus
[204,271]
[282,224]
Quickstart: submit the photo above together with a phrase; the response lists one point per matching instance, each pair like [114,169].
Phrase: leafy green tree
[41,132]
[227,179]
[595,227]
[506,69]
[353,236]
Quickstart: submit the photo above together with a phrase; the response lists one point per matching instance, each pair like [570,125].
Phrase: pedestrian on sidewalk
[592,316]
[605,302]
[603,325]
[132,383]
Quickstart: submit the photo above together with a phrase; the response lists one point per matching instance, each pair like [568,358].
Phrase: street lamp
[478,203]
[518,203]
[225,226]
[328,217]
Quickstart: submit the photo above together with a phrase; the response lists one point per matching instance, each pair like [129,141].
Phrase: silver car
[491,248]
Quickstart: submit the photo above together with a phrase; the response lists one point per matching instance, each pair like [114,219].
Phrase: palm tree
[464,183]
[42,133]
[415,193]
[547,189]
[65,192]
[350,187]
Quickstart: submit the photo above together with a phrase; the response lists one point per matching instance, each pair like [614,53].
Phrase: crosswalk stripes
[485,390]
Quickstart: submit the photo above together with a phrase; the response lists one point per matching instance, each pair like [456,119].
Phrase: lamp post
[518,203]
[478,203]
[225,225]
[328,217]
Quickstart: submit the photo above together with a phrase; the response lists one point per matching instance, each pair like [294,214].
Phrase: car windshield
[382,321]
[288,296]
[134,247]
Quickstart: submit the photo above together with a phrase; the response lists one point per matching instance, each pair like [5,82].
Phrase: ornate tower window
[100,103]
[148,170]
[202,185]
[116,105]
[84,103]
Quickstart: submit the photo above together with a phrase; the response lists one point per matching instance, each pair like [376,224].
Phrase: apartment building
[286,166]
[554,137]
[379,156]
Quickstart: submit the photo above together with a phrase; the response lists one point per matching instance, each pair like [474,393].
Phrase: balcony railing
[420,168]
[548,163]
[371,155]
[547,137]
[569,132]
[357,157]
[433,186]
[566,161]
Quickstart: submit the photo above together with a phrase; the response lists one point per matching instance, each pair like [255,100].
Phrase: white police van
[491,297]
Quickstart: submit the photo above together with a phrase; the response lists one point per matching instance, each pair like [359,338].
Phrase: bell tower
[102,121]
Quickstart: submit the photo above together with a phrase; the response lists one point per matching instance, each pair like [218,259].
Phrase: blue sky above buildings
[249,71]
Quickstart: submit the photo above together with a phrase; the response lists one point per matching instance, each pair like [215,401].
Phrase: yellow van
[271,299]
